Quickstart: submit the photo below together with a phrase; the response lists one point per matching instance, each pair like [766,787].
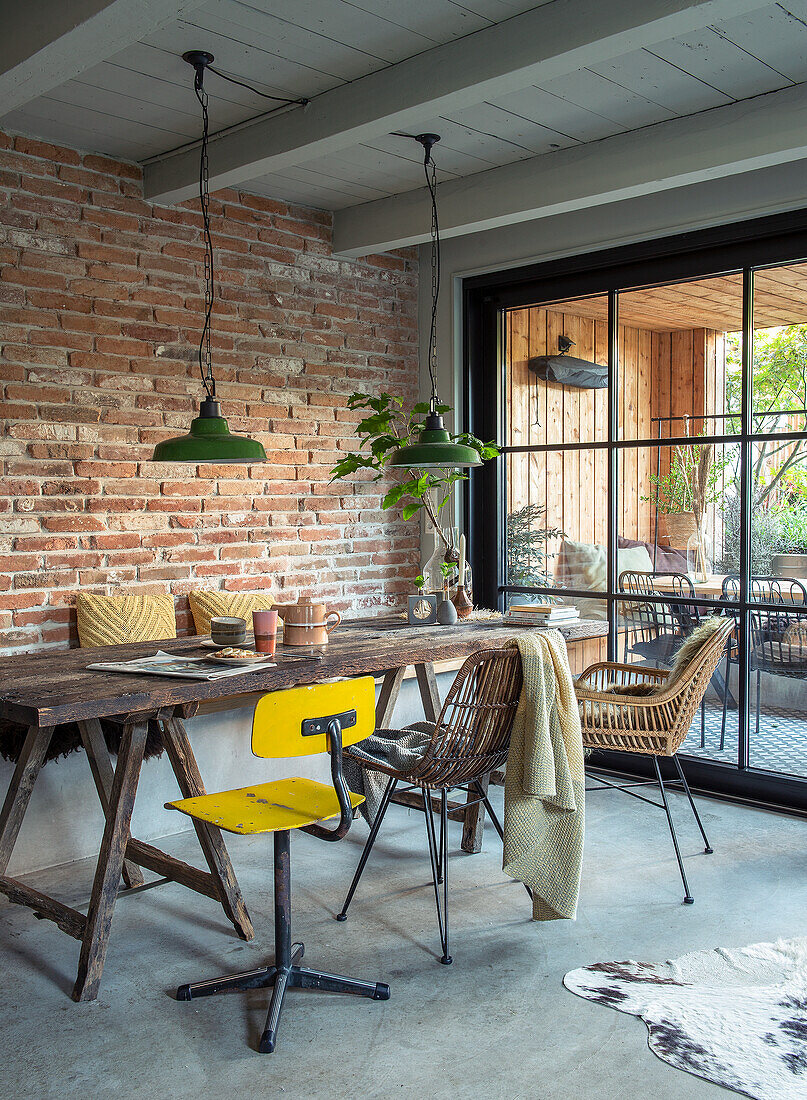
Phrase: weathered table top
[49,687]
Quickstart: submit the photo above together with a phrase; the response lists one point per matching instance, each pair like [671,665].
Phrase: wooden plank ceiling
[780,298]
[140,103]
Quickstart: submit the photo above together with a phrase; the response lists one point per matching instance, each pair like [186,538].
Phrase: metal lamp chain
[205,352]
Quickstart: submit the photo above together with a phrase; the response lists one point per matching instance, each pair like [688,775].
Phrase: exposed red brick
[101,308]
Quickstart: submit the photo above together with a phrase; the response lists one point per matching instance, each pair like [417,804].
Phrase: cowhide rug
[738,1018]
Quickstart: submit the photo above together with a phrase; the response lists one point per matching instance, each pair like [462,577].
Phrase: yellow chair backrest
[125,617]
[209,605]
[277,724]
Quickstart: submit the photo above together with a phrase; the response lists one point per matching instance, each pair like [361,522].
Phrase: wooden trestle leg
[110,861]
[103,772]
[20,789]
[178,746]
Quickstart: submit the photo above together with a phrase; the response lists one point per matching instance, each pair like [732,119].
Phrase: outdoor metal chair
[778,634]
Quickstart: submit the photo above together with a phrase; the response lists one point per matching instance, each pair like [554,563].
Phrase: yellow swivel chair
[298,722]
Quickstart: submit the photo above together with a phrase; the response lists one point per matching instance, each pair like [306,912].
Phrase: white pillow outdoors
[584,566]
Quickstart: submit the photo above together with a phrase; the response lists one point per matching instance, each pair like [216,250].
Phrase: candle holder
[462,602]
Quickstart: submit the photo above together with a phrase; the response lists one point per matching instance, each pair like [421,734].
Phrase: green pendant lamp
[435,449]
[209,440]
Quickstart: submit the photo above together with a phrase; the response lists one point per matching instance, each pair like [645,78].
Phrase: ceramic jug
[307,622]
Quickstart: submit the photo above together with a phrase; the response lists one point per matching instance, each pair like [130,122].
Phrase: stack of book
[545,614]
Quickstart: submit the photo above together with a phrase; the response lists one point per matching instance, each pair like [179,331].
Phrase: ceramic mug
[228,630]
[264,627]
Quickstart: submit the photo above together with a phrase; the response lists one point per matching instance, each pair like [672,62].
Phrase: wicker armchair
[654,725]
[470,739]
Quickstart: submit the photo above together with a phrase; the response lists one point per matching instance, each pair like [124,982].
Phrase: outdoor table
[44,689]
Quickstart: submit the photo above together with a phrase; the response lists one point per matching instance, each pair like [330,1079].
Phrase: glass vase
[432,577]
[699,555]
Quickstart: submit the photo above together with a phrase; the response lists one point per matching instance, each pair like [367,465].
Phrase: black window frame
[738,247]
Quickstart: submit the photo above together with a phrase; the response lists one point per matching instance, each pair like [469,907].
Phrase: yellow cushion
[267,807]
[115,620]
[209,605]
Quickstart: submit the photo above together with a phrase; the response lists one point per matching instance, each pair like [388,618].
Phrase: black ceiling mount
[200,59]
[427,141]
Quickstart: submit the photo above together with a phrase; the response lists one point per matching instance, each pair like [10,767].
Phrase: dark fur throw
[67,739]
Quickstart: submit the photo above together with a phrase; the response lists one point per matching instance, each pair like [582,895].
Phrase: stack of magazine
[544,614]
[186,668]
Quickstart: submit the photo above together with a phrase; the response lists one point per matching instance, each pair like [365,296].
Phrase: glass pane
[779,508]
[679,349]
[678,511]
[779,380]
[778,678]
[651,633]
[551,393]
[556,525]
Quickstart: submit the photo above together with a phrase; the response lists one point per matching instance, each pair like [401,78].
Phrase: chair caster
[184,993]
[341,917]
[381,992]
[446,960]
[688,900]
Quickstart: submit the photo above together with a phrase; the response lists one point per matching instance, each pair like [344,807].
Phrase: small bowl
[225,630]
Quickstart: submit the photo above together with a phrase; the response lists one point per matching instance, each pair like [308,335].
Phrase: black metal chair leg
[688,899]
[442,918]
[389,790]
[725,698]
[304,978]
[708,849]
[249,979]
[444,860]
[497,825]
[268,1039]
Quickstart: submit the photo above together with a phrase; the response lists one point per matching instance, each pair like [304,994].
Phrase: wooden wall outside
[661,374]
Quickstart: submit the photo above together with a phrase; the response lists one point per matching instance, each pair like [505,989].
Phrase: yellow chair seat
[267,807]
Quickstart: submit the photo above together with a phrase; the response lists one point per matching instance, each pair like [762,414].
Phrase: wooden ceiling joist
[549,41]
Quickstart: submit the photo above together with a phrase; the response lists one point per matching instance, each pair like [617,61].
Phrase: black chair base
[283,979]
[285,973]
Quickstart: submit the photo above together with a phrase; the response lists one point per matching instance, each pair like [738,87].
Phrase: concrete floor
[496,1024]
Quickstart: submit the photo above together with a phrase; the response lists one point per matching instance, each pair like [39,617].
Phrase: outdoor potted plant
[681,498]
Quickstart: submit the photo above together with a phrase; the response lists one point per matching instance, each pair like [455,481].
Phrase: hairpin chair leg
[497,825]
[708,849]
[688,899]
[389,790]
[442,909]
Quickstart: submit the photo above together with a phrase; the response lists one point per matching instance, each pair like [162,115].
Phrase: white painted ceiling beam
[724,141]
[47,42]
[546,42]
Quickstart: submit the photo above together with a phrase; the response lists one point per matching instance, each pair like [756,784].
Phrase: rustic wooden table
[42,690]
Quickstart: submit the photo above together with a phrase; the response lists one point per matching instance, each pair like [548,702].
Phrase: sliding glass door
[654,474]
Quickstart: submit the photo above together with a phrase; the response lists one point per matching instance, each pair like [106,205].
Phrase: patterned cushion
[114,620]
[209,605]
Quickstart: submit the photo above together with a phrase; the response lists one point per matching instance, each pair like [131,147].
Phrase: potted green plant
[387,428]
[682,496]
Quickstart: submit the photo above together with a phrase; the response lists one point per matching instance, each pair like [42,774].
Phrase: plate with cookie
[233,655]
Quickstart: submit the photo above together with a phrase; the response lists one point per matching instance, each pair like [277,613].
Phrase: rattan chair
[470,739]
[654,725]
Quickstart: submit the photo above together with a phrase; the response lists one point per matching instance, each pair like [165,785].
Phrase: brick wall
[100,310]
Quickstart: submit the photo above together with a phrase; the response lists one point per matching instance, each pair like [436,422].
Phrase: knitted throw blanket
[544,789]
